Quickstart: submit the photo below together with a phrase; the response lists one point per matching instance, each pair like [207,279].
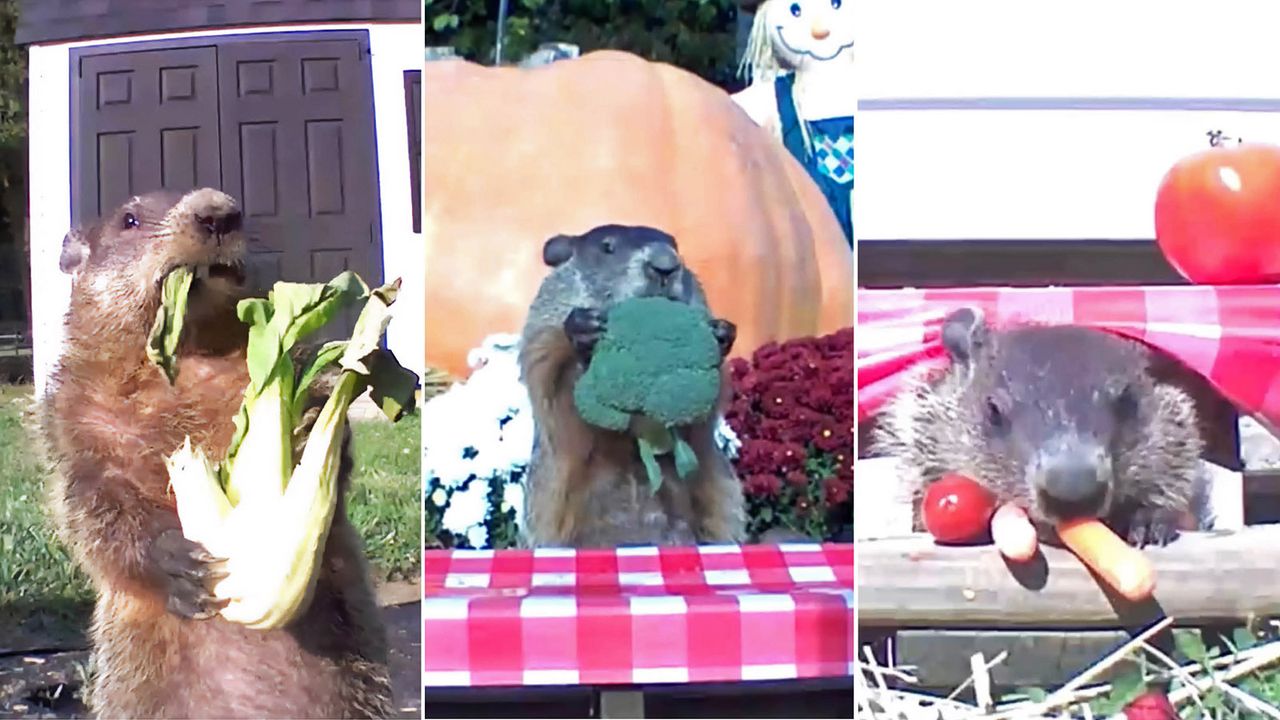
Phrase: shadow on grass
[54,624]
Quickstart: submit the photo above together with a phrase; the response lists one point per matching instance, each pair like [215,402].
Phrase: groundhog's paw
[584,326]
[1153,526]
[186,570]
[726,333]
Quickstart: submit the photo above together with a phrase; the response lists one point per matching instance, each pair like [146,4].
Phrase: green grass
[386,495]
[43,589]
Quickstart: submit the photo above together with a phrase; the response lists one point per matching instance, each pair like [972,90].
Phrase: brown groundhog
[111,417]
[1065,420]
[587,486]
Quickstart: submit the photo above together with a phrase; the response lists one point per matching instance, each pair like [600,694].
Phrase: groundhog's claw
[726,333]
[584,326]
[186,569]
[1153,526]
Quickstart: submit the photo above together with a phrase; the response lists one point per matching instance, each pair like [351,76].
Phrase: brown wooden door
[298,151]
[282,122]
[143,121]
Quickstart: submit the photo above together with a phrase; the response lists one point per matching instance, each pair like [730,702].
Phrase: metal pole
[502,27]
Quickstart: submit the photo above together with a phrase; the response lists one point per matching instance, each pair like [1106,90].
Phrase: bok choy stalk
[265,516]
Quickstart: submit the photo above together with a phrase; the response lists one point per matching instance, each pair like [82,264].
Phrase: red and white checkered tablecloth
[1229,334]
[637,615]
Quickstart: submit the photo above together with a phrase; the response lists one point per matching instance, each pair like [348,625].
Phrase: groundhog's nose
[1074,478]
[663,260]
[220,223]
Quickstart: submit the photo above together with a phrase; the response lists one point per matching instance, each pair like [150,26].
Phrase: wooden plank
[1201,578]
[621,704]
[1036,658]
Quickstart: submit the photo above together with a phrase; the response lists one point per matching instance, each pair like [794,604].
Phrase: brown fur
[587,487]
[109,420]
[935,424]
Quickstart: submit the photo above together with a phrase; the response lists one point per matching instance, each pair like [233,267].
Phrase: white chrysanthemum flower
[478,536]
[513,498]
[467,507]
[727,439]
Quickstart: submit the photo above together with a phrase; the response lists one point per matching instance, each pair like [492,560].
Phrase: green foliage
[13,78]
[697,35]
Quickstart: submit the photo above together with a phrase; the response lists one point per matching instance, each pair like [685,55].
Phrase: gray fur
[1054,378]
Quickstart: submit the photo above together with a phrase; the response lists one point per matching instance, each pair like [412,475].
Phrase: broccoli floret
[658,358]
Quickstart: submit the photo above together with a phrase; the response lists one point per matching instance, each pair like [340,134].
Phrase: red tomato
[1151,705]
[957,509]
[1217,218]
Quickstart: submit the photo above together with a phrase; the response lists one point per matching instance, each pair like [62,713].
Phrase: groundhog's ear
[557,250]
[74,252]
[964,332]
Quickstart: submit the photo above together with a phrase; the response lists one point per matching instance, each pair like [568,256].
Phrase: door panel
[298,149]
[145,121]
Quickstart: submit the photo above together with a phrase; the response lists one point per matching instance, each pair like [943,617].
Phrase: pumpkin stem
[1217,138]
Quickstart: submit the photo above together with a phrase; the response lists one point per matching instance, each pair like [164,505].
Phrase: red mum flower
[762,485]
[797,479]
[818,398]
[789,456]
[739,368]
[828,437]
[836,490]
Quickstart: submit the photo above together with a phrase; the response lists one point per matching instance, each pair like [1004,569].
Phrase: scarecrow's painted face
[804,32]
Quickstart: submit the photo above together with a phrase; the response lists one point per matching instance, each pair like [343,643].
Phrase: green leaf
[650,465]
[300,309]
[1242,639]
[1127,686]
[686,459]
[326,356]
[1190,644]
[392,386]
[263,355]
[166,331]
[254,311]
[1034,694]
[444,21]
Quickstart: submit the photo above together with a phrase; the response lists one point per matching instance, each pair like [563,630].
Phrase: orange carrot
[1121,565]
[1013,533]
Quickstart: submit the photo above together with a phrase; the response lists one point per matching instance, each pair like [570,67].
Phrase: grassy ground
[50,596]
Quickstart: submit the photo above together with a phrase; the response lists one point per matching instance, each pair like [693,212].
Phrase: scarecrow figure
[800,61]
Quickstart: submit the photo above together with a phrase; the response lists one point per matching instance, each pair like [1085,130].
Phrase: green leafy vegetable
[655,370]
[268,517]
[166,331]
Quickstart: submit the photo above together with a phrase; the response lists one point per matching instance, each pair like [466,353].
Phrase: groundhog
[109,419]
[587,486]
[1065,420]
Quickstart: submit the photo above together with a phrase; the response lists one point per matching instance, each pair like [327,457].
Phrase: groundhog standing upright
[587,487]
[1067,421]
[111,417]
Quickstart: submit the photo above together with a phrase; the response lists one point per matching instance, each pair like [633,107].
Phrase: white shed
[306,111]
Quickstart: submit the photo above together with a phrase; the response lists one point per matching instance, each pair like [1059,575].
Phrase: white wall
[929,171]
[395,47]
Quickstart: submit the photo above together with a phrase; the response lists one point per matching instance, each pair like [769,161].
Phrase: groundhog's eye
[130,221]
[995,416]
[608,245]
[835,4]
[795,9]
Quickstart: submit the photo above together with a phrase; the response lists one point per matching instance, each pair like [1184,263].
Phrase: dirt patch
[48,683]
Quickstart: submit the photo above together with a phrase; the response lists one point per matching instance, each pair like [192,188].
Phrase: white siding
[395,48]
[936,173]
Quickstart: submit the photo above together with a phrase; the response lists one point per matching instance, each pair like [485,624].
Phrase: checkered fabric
[637,615]
[834,154]
[1229,334]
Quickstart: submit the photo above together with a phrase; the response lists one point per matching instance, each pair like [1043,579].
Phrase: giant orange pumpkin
[514,156]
